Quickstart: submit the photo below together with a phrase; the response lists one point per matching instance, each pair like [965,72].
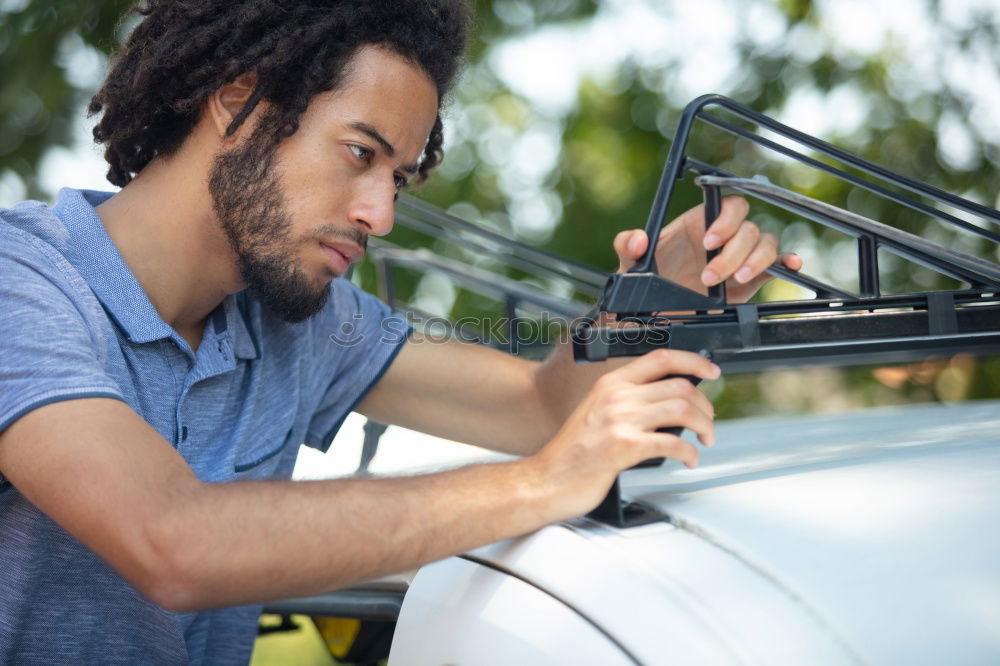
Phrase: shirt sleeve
[358,337]
[50,345]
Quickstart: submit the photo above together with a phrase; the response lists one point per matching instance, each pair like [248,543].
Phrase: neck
[165,228]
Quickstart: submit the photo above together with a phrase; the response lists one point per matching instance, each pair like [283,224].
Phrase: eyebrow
[389,149]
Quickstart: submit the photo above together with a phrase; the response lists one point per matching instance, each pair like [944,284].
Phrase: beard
[248,200]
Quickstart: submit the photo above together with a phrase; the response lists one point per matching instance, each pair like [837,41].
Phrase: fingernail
[716,371]
[633,244]
[709,277]
[742,275]
[711,241]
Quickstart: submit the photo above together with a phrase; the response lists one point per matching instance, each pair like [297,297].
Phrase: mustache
[351,235]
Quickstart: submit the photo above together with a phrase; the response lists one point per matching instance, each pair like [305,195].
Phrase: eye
[362,153]
[401,181]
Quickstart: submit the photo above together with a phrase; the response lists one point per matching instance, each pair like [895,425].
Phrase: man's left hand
[745,252]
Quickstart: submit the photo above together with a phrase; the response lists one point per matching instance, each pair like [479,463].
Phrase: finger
[662,362]
[629,246]
[789,260]
[732,255]
[665,445]
[677,412]
[732,213]
[676,387]
[760,258]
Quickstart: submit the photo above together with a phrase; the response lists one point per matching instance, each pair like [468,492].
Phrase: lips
[342,255]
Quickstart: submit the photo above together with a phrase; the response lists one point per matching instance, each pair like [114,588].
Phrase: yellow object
[339,633]
[303,647]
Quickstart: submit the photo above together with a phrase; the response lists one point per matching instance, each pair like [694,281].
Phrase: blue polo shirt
[75,323]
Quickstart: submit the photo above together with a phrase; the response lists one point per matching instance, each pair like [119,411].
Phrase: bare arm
[103,474]
[465,392]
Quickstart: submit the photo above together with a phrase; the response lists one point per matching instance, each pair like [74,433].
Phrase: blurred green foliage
[40,95]
[569,178]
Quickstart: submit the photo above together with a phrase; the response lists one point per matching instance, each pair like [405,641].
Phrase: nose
[372,208]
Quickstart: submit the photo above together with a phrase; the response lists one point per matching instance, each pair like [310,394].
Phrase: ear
[227,102]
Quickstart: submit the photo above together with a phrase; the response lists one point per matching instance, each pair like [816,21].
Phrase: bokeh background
[559,127]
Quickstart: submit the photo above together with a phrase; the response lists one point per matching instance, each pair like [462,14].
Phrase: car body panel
[459,612]
[865,537]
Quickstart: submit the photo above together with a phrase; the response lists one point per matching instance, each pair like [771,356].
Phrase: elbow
[170,594]
[167,565]
[169,583]
[161,580]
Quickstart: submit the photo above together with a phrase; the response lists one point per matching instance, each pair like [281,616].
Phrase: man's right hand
[615,427]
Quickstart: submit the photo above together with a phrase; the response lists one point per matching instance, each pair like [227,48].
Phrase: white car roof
[883,521]
[866,537]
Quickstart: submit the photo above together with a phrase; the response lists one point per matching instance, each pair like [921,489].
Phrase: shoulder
[23,252]
[37,224]
[38,279]
[33,233]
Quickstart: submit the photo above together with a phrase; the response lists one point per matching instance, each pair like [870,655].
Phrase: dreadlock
[184,50]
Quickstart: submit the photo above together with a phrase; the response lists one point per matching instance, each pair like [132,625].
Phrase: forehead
[382,90]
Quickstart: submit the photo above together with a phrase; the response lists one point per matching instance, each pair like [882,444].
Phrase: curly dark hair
[184,50]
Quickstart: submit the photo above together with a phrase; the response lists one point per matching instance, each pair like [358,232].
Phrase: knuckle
[617,412]
[737,203]
[680,387]
[685,409]
[606,384]
[622,433]
[660,356]
[610,399]
[681,408]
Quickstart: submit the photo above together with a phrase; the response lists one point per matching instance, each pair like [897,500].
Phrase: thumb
[629,246]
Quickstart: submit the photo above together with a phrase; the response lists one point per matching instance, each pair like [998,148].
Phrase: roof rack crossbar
[487,247]
[485,283]
[820,288]
[874,188]
[949,262]
[414,213]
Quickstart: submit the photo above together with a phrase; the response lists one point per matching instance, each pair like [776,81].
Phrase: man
[166,349]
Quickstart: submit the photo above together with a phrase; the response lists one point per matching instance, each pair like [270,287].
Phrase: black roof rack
[837,327]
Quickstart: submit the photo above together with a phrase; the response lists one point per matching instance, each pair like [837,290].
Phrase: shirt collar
[237,322]
[94,255]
